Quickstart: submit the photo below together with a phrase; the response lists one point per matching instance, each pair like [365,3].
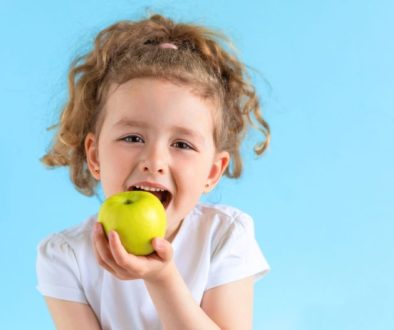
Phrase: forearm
[175,305]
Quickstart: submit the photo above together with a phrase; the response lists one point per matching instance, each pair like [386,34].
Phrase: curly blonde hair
[128,50]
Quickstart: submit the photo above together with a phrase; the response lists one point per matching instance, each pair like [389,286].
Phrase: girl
[161,107]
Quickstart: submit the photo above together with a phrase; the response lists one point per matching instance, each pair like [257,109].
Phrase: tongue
[158,194]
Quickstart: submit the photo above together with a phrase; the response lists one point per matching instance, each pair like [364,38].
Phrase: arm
[68,315]
[174,303]
[231,305]
[224,307]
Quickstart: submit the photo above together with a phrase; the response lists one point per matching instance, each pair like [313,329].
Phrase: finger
[102,251]
[119,253]
[163,248]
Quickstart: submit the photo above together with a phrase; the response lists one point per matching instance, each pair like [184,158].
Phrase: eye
[182,145]
[133,139]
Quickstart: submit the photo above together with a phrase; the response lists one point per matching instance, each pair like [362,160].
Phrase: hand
[111,255]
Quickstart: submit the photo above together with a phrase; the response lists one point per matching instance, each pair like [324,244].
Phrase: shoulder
[221,213]
[63,260]
[67,248]
[222,218]
[72,237]
[234,251]
[217,224]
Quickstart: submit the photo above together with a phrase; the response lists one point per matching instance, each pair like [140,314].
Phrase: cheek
[111,151]
[193,172]
[114,161]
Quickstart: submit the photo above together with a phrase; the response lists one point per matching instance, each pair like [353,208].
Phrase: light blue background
[322,196]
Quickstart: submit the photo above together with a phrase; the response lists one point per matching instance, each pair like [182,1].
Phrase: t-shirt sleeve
[57,270]
[237,254]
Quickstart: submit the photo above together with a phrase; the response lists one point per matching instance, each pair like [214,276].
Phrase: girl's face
[157,135]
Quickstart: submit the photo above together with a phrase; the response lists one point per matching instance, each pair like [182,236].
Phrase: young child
[161,107]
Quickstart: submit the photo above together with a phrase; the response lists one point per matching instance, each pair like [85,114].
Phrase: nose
[153,161]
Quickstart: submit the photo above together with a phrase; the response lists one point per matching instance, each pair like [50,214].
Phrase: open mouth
[163,195]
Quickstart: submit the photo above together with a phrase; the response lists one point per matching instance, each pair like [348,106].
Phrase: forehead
[142,96]
[171,86]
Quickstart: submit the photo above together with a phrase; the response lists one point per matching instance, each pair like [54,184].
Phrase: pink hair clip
[168,45]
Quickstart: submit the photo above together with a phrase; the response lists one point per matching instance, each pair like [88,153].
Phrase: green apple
[137,216]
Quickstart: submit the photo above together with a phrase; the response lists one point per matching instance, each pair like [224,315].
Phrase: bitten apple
[137,216]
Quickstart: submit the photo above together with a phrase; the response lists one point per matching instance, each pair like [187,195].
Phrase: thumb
[163,248]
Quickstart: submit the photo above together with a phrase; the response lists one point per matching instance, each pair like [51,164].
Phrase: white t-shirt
[214,245]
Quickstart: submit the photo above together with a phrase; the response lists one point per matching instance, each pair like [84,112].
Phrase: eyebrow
[190,132]
[125,122]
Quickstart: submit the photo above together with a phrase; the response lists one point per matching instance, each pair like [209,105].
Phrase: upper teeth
[149,188]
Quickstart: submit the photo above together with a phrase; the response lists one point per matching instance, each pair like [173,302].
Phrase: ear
[219,165]
[91,151]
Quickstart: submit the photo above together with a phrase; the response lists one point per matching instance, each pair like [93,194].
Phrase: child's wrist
[162,276]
